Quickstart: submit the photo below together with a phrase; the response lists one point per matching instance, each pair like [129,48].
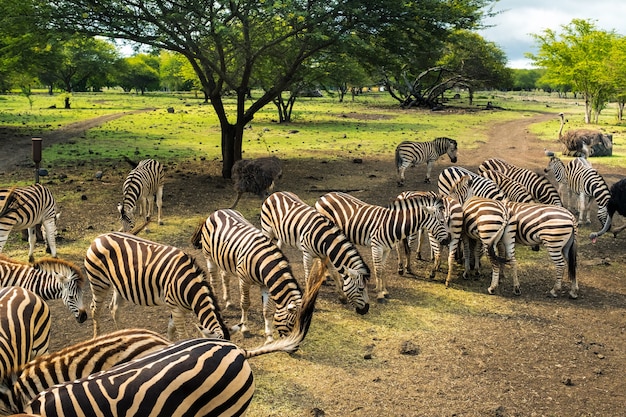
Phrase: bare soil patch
[537,357]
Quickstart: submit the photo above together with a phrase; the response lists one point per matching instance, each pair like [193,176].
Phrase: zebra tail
[196,237]
[491,246]
[398,160]
[8,200]
[291,343]
[572,256]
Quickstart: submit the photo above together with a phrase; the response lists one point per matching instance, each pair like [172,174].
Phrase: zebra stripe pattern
[555,228]
[512,190]
[149,274]
[537,185]
[559,170]
[231,244]
[25,208]
[24,328]
[292,222]
[49,278]
[196,377]
[74,362]
[382,228]
[142,186]
[414,153]
[480,186]
[486,221]
[453,216]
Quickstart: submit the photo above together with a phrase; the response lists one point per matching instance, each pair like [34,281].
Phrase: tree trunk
[232,138]
[67,102]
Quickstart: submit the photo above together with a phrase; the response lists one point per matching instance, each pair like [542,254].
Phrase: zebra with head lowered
[24,383]
[25,208]
[196,377]
[149,274]
[480,186]
[292,222]
[231,244]
[414,153]
[382,228]
[24,327]
[143,185]
[555,228]
[49,278]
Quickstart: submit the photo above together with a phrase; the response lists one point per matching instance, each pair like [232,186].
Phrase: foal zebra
[453,216]
[292,222]
[555,228]
[231,244]
[149,274]
[196,377]
[481,186]
[51,279]
[414,153]
[25,208]
[142,186]
[24,327]
[383,227]
[539,187]
[77,361]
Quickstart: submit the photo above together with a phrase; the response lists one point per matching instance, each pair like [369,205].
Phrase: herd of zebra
[138,372]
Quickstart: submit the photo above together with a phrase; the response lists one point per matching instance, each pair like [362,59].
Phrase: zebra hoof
[552,294]
[573,295]
[427,181]
[517,291]
[491,291]
[400,271]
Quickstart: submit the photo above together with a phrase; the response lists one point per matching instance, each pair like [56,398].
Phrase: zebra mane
[445,142]
[57,265]
[5,258]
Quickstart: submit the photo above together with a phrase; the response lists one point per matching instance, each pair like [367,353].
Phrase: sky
[511,29]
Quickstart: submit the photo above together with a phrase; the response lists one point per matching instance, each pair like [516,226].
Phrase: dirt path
[16,150]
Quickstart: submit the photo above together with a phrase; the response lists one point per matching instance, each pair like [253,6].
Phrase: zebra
[143,185]
[413,153]
[49,278]
[537,185]
[559,169]
[231,244]
[382,228]
[148,274]
[194,377]
[24,383]
[586,182]
[25,208]
[292,222]
[481,186]
[487,221]
[512,190]
[24,327]
[553,226]
[453,215]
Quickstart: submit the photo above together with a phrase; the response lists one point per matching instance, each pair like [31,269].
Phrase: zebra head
[71,281]
[285,317]
[452,150]
[355,289]
[127,216]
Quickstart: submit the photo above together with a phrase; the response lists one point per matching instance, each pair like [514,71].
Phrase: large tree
[224,41]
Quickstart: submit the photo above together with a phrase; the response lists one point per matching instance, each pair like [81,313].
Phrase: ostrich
[255,176]
[585,142]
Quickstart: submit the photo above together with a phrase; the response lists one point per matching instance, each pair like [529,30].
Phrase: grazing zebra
[453,216]
[74,362]
[586,182]
[292,222]
[142,186]
[231,244]
[25,208]
[383,227]
[560,172]
[148,274]
[24,327]
[196,377]
[415,153]
[555,228]
[537,185]
[487,221]
[512,190]
[49,278]
[481,186]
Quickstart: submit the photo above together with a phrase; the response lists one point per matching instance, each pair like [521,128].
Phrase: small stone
[567,381]
[367,356]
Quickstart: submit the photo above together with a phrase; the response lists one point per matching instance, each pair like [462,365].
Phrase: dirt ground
[548,357]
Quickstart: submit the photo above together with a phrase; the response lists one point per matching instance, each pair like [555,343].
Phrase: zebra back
[148,274]
[24,328]
[513,190]
[28,206]
[142,183]
[236,246]
[481,186]
[74,362]
[537,185]
[49,278]
[292,222]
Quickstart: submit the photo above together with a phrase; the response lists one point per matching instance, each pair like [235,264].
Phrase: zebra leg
[159,203]
[401,169]
[452,249]
[244,293]
[403,248]
[176,325]
[98,294]
[429,169]
[379,255]
[50,232]
[116,302]
[435,253]
[32,238]
[268,315]
[213,271]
